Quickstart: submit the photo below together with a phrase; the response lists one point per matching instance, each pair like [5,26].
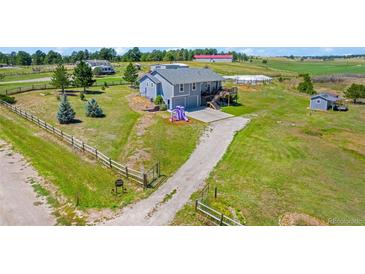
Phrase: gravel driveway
[19,204]
[161,207]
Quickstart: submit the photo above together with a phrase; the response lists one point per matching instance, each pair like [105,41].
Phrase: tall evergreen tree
[60,78]
[131,74]
[65,114]
[93,109]
[355,92]
[83,75]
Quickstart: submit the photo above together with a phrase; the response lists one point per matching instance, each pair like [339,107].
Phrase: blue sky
[258,51]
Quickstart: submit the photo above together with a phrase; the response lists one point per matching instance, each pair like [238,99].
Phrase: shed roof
[213,56]
[326,96]
[188,75]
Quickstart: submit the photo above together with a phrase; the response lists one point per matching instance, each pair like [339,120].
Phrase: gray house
[323,101]
[180,86]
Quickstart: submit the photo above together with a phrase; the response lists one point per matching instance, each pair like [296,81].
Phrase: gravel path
[19,204]
[44,79]
[161,207]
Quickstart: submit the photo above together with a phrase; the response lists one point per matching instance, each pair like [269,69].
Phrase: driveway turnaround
[207,115]
[161,207]
[19,204]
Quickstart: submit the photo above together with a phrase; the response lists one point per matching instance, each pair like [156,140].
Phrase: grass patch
[287,160]
[68,171]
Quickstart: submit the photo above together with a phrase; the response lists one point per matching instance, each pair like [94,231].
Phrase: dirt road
[161,207]
[44,79]
[19,204]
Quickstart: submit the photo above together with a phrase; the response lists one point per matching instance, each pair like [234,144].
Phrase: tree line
[23,58]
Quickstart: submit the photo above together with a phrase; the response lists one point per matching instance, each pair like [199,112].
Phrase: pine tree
[60,78]
[93,109]
[83,75]
[65,114]
[131,74]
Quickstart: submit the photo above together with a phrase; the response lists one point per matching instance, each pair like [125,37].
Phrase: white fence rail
[140,177]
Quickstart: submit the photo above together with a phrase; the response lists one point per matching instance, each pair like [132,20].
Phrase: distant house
[323,101]
[104,66]
[214,58]
[180,87]
[168,66]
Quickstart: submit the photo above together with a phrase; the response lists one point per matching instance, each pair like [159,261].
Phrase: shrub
[7,99]
[281,79]
[163,107]
[103,88]
[82,96]
[306,86]
[264,61]
[159,100]
[93,109]
[65,114]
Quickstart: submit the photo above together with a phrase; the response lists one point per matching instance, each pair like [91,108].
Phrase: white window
[194,86]
[181,87]
[151,84]
[147,84]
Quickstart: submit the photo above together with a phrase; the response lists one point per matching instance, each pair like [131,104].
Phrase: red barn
[214,58]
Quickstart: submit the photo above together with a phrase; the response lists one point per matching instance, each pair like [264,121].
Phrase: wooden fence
[217,217]
[142,178]
[17,90]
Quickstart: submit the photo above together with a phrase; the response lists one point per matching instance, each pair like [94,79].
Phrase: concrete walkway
[19,204]
[161,207]
[207,115]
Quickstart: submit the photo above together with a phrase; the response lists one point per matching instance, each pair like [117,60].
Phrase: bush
[281,79]
[7,99]
[93,109]
[82,96]
[65,114]
[163,107]
[159,100]
[103,88]
[306,86]
[264,61]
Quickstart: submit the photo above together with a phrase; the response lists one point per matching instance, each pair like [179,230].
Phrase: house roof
[151,77]
[188,75]
[216,56]
[326,96]
[95,63]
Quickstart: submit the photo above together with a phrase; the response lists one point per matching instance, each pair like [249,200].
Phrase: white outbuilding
[249,79]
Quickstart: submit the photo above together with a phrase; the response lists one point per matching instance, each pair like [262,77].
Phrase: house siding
[319,103]
[214,60]
[148,89]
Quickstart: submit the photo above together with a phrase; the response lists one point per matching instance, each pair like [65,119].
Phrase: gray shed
[323,101]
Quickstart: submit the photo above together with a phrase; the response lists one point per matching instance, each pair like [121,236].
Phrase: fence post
[158,169]
[196,204]
[145,182]
[83,146]
[110,162]
[221,221]
[53,129]
[126,171]
[72,140]
[96,153]
[215,192]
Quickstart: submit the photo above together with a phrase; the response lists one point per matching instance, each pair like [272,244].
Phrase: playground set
[178,114]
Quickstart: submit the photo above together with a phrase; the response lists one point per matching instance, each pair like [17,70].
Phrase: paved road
[187,180]
[17,197]
[44,79]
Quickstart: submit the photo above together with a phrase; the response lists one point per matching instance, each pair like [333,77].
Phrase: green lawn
[316,67]
[115,135]
[61,166]
[288,160]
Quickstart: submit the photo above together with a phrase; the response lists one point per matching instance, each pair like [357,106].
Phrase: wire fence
[144,179]
[21,89]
